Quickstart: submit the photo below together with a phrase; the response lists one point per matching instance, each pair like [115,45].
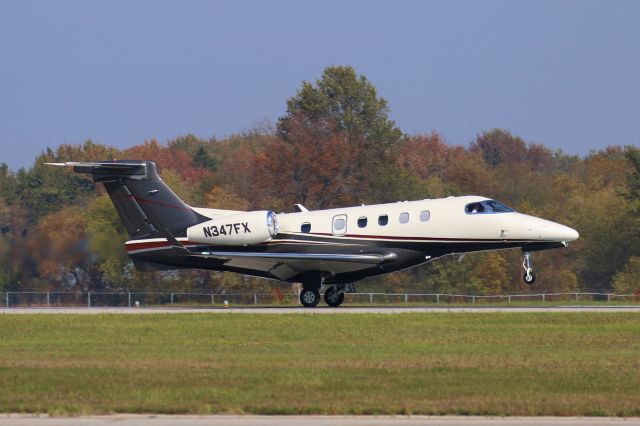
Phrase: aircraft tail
[146,205]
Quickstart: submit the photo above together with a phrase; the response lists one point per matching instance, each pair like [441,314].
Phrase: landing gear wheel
[527,263]
[309,298]
[529,279]
[333,297]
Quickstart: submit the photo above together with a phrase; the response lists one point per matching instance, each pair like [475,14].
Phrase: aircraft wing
[287,265]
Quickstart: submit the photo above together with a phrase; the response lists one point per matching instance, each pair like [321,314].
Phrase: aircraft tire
[529,279]
[309,297]
[333,299]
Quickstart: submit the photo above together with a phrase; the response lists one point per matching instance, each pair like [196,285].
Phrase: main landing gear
[311,284]
[528,277]
[333,295]
[309,297]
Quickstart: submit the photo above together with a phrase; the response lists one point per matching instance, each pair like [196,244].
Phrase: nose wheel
[529,277]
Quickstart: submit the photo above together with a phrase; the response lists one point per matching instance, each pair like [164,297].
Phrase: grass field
[497,364]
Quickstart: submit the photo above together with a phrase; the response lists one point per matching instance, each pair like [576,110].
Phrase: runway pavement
[150,420]
[318,310]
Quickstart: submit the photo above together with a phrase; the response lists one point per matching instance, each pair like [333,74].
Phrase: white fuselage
[446,220]
[351,243]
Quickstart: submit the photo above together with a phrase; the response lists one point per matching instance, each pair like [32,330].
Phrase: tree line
[335,146]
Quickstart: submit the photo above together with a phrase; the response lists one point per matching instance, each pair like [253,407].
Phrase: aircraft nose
[560,232]
[541,229]
[572,234]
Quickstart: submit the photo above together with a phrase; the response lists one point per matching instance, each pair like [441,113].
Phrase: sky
[562,73]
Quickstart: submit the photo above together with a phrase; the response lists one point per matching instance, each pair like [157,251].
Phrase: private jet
[330,249]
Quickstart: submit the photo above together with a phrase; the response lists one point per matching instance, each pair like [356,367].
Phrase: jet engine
[236,229]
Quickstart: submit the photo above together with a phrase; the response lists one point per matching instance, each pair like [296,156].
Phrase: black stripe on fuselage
[320,243]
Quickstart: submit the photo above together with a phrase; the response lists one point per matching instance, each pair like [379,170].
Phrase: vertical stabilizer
[146,205]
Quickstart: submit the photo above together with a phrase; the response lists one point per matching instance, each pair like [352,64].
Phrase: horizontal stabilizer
[101,164]
[108,170]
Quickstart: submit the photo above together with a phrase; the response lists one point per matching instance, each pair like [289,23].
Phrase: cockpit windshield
[487,206]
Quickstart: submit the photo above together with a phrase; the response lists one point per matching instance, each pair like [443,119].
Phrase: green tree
[107,236]
[606,240]
[343,105]
[43,189]
[632,192]
[627,281]
[202,152]
[349,101]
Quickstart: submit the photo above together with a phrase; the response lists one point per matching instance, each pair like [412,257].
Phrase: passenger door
[339,226]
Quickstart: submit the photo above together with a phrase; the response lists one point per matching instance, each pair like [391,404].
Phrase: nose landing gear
[529,277]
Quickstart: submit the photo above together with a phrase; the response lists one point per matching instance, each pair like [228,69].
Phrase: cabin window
[487,207]
[425,215]
[305,227]
[383,219]
[362,222]
[404,217]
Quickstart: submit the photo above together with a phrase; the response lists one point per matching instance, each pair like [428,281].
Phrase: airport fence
[133,299]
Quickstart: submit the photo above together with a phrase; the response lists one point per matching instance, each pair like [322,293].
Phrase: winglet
[301,208]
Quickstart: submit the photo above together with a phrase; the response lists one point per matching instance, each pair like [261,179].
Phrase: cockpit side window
[487,206]
[474,208]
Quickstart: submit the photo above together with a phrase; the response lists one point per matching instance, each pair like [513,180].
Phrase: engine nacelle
[236,229]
